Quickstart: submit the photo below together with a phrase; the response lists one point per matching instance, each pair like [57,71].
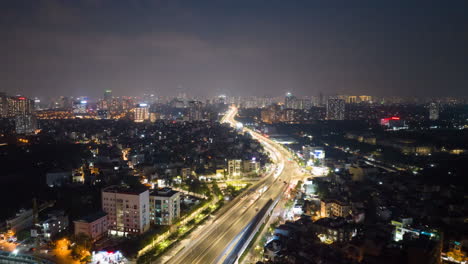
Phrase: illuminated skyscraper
[141,112]
[335,109]
[289,101]
[433,111]
[19,105]
[80,106]
[107,95]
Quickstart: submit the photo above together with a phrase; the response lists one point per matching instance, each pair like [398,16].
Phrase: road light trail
[214,241]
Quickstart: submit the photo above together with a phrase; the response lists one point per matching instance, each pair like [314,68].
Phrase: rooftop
[166,192]
[125,189]
[93,217]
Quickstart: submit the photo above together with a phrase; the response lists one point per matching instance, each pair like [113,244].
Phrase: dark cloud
[239,47]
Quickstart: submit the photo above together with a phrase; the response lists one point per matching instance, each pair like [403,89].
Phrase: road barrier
[252,229]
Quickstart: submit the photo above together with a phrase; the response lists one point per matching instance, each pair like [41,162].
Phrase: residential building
[289,101]
[330,208]
[141,112]
[19,105]
[127,209]
[185,173]
[250,166]
[195,111]
[3,105]
[164,206]
[330,230]
[95,226]
[25,124]
[433,111]
[234,168]
[56,223]
[335,109]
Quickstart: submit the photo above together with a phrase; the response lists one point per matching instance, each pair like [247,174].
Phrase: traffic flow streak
[215,240]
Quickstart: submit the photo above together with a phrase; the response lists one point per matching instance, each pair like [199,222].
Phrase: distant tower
[195,111]
[289,101]
[107,95]
[433,111]
[335,109]
[3,105]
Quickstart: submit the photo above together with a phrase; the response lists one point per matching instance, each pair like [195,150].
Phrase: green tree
[82,246]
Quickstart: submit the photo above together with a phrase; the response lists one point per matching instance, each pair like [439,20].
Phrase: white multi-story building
[234,168]
[127,209]
[164,206]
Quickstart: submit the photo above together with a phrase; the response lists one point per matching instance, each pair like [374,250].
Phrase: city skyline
[245,131]
[242,48]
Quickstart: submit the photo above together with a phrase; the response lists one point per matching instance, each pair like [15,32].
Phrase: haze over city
[233,132]
[76,48]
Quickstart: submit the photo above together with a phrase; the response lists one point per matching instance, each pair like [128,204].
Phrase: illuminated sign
[83,102]
[21,98]
[386,121]
[142,105]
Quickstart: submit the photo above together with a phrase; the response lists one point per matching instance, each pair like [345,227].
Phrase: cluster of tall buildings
[288,109]
[275,113]
[22,110]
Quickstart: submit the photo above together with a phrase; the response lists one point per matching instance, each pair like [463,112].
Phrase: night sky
[252,47]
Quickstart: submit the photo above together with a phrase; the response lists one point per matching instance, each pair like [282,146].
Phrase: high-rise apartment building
[3,105]
[127,209]
[107,95]
[289,101]
[19,105]
[25,124]
[141,112]
[335,109]
[164,206]
[433,111]
[195,111]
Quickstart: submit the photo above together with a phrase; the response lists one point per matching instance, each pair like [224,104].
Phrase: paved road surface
[216,240]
